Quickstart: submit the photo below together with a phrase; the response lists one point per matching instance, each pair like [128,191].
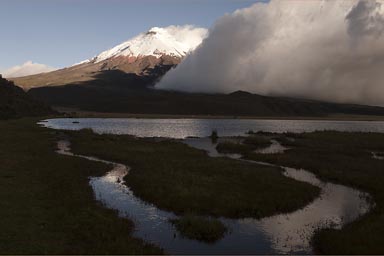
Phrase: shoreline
[75,113]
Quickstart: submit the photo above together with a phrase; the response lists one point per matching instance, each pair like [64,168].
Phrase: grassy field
[47,206]
[176,177]
[343,158]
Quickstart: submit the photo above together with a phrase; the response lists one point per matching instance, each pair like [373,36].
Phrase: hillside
[116,91]
[14,102]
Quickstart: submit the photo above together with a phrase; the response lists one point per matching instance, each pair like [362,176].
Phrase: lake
[182,128]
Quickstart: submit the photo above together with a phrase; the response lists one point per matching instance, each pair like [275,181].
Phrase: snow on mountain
[175,41]
[150,54]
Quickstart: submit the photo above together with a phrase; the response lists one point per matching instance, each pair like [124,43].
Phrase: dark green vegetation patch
[242,146]
[200,228]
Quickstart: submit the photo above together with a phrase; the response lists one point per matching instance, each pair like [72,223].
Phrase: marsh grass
[200,228]
[247,144]
[47,205]
[228,147]
[343,158]
[257,141]
[184,180]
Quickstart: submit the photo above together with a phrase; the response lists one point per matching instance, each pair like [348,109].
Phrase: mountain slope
[149,54]
[132,97]
[14,102]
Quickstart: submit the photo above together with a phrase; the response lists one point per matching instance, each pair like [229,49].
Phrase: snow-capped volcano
[175,41]
[150,54]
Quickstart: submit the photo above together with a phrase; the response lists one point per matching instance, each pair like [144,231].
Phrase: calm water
[182,128]
[279,234]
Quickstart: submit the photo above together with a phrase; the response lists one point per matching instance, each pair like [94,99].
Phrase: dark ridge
[15,103]
[240,93]
[119,92]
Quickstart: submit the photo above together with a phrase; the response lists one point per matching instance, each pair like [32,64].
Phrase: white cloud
[26,69]
[323,49]
[175,40]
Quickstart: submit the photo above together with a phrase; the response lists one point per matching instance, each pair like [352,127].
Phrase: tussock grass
[247,144]
[200,228]
[228,147]
[257,141]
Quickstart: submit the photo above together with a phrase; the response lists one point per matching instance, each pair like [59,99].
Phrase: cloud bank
[325,49]
[26,69]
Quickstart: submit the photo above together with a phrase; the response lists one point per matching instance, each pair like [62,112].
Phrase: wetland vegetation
[243,145]
[184,180]
[47,205]
[50,207]
[200,228]
[343,158]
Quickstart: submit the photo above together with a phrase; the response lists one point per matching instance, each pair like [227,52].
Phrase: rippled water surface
[181,128]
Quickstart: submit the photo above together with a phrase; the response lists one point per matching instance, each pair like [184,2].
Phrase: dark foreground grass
[200,228]
[343,158]
[46,203]
[176,177]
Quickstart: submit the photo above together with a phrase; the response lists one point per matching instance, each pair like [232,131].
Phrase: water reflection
[274,148]
[182,128]
[292,233]
[280,234]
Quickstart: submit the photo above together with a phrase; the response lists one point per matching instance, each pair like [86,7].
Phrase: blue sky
[59,33]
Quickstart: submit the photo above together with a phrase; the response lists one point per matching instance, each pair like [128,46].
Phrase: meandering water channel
[279,234]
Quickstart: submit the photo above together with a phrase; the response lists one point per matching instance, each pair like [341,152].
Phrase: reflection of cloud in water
[337,206]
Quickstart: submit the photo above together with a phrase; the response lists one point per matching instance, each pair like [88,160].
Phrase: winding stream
[279,234]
